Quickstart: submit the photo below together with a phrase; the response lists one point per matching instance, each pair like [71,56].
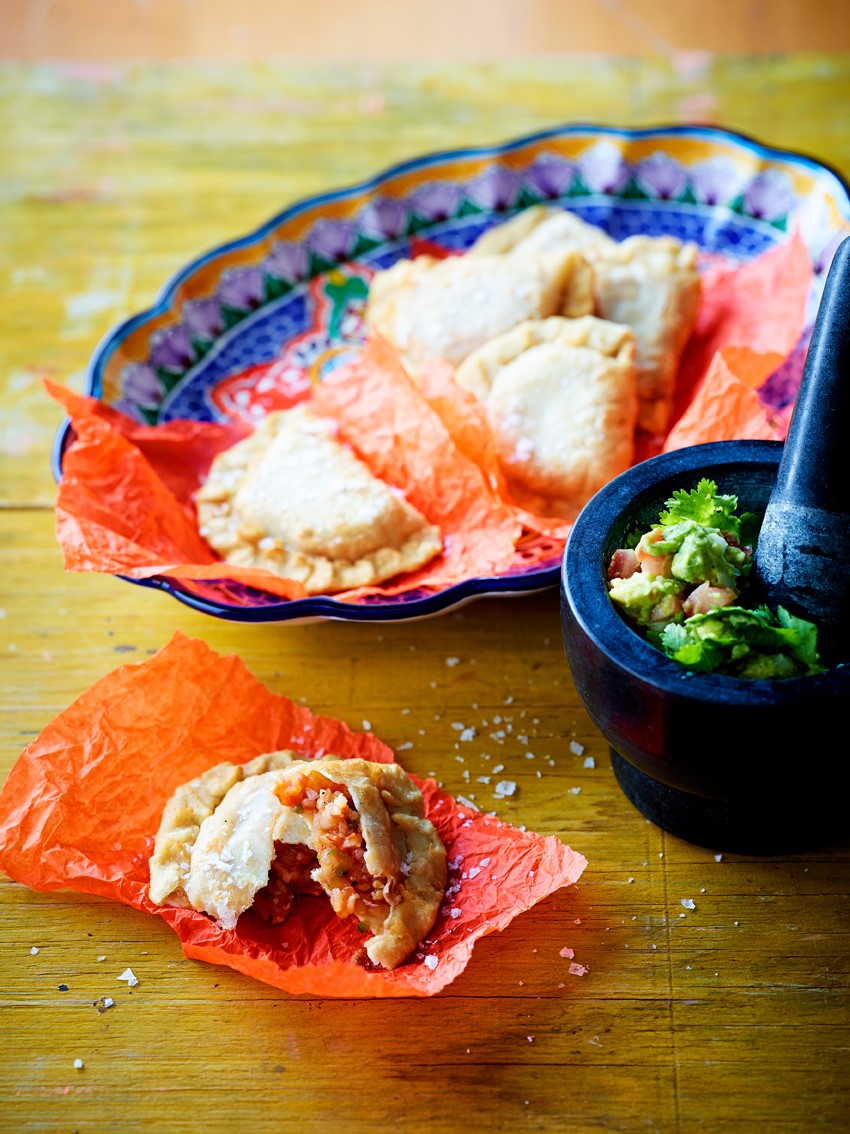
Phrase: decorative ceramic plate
[247,327]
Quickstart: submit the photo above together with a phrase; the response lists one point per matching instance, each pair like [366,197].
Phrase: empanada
[236,847]
[297,501]
[351,829]
[542,228]
[188,807]
[379,858]
[652,284]
[429,308]
[649,283]
[560,395]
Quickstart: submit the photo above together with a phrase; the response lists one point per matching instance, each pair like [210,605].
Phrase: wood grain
[731,1017]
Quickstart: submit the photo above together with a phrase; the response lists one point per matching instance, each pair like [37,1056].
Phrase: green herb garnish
[700,547]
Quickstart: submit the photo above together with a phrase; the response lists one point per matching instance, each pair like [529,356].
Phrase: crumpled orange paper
[82,804]
[124,504]
[750,320]
[121,508]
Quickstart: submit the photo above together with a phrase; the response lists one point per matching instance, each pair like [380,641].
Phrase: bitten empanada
[429,308]
[294,499]
[560,395]
[236,847]
[379,858]
[353,830]
[649,283]
[188,807]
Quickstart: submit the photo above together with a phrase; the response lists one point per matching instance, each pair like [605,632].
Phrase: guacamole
[682,583]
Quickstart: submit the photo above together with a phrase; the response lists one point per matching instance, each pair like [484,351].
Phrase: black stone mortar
[753,766]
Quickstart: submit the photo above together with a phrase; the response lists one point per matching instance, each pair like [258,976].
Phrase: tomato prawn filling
[291,873]
[339,847]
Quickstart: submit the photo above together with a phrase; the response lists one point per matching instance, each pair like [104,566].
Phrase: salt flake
[567,952]
[576,747]
[576,969]
[130,977]
[78,1063]
[688,903]
[431,962]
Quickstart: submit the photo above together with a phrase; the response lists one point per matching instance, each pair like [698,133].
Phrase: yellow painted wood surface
[728,1018]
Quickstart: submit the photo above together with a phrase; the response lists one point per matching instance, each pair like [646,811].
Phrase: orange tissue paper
[125,501]
[83,802]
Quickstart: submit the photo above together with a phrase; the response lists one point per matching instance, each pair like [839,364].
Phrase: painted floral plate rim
[287,297]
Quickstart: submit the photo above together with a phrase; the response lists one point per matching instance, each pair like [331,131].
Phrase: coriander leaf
[749,525]
[744,643]
[702,505]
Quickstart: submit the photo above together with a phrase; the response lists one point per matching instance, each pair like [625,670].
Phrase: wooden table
[728,1017]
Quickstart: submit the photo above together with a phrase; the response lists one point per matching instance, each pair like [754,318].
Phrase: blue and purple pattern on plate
[299,306]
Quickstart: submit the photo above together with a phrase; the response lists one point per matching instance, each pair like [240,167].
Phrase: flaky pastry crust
[185,811]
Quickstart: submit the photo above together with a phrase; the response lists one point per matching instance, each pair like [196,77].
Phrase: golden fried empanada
[188,807]
[649,283]
[653,285]
[236,846]
[543,228]
[297,501]
[429,308]
[351,829]
[379,858]
[560,395]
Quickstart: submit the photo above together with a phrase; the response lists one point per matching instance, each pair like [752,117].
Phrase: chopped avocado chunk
[700,553]
[639,594]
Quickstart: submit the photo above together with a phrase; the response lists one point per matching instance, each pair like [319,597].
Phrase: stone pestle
[802,558]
